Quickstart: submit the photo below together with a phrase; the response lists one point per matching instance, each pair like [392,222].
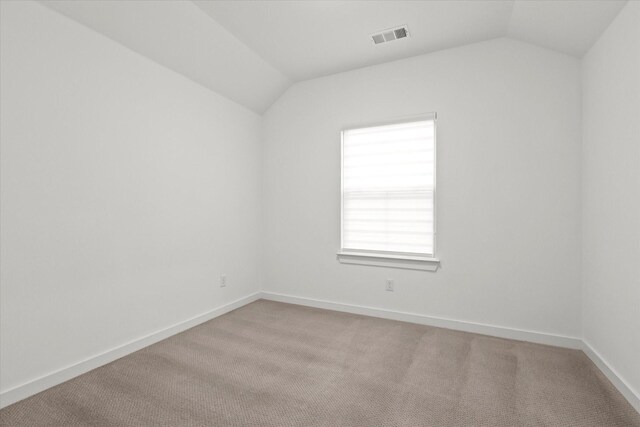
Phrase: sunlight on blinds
[388,183]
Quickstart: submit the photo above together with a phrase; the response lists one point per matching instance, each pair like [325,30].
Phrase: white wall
[508,185]
[127,190]
[611,196]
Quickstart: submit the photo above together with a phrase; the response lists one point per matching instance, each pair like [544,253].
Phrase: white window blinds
[388,188]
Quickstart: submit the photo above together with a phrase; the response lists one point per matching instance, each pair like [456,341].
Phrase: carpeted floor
[274,364]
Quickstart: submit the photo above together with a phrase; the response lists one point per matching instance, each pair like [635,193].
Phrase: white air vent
[390,34]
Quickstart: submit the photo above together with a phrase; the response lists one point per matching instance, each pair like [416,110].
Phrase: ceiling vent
[390,35]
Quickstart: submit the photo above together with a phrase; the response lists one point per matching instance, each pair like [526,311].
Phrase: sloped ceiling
[311,39]
[178,35]
[571,27]
[251,51]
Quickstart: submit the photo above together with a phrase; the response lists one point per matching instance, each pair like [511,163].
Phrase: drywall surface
[127,190]
[611,196]
[508,197]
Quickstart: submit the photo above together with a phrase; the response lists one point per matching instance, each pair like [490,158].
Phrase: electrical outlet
[223,280]
[390,285]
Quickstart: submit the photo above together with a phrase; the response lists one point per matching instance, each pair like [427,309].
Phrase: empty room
[320,213]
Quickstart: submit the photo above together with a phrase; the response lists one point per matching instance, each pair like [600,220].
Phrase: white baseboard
[458,325]
[633,396]
[35,386]
[497,331]
[39,384]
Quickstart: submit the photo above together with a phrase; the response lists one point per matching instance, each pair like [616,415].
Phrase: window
[388,195]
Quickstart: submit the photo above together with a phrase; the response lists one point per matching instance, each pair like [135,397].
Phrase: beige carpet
[274,364]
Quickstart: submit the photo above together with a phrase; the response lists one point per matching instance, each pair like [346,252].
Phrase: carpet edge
[632,396]
[61,375]
[573,343]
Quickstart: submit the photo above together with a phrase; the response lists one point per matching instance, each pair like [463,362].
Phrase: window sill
[389,260]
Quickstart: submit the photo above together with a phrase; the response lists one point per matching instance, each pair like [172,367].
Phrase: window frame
[407,260]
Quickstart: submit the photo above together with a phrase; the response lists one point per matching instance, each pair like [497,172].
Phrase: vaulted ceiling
[251,51]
